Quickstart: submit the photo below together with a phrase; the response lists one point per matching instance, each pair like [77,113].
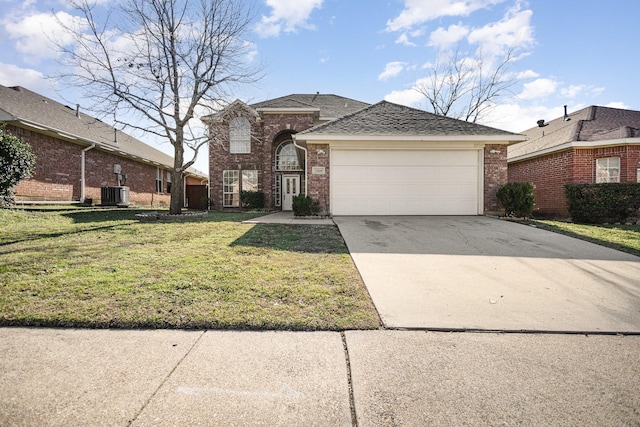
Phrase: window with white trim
[239,136]
[608,169]
[287,157]
[638,174]
[278,189]
[231,188]
[168,182]
[158,180]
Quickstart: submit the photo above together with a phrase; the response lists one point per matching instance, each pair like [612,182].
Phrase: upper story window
[608,169]
[239,136]
[287,157]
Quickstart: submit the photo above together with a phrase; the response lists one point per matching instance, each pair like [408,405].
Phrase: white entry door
[291,187]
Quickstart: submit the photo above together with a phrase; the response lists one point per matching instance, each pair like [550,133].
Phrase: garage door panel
[410,182]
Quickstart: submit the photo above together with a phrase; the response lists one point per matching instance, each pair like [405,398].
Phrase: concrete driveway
[455,273]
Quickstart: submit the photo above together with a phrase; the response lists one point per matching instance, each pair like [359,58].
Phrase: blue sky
[570,52]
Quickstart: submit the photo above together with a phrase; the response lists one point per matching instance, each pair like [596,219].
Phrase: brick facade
[495,175]
[57,175]
[267,132]
[319,183]
[577,165]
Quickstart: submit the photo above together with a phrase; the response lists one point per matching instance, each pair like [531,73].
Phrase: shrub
[600,203]
[252,199]
[305,206]
[517,198]
[16,163]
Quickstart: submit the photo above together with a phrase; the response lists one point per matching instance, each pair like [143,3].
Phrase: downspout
[82,169]
[306,155]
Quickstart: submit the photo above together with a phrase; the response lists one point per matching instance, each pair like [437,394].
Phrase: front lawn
[93,267]
[625,238]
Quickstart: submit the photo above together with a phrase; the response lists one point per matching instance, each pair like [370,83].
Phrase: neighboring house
[592,145]
[77,155]
[381,159]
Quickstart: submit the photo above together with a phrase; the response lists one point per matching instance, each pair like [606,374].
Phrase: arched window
[287,157]
[239,136]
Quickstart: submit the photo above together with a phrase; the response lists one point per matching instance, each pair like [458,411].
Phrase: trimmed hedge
[252,199]
[600,203]
[517,198]
[305,206]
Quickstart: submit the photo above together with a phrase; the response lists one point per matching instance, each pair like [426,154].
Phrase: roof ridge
[341,118]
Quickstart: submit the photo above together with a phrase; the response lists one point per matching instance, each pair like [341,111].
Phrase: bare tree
[466,88]
[156,62]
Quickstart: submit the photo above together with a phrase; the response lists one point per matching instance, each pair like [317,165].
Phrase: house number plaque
[318,170]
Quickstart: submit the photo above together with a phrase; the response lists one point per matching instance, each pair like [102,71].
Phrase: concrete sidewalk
[286,217]
[59,377]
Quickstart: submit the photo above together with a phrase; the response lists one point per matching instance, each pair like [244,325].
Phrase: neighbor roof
[329,106]
[33,110]
[389,119]
[589,124]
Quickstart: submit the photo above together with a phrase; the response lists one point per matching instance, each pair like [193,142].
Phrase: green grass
[624,238]
[89,267]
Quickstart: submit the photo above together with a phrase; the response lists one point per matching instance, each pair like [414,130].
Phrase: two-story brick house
[355,158]
[251,146]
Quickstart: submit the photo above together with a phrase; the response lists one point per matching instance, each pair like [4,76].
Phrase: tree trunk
[177,181]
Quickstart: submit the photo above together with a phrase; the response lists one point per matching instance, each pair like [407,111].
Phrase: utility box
[115,196]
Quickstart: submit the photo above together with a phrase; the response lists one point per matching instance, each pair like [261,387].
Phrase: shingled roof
[329,106]
[589,124]
[30,109]
[389,119]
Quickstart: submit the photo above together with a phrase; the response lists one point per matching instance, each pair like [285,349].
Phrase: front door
[291,187]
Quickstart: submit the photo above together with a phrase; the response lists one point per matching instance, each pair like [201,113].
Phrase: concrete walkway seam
[352,402]
[166,378]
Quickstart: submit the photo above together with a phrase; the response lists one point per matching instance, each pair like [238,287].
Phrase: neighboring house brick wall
[550,173]
[318,185]
[495,175]
[57,173]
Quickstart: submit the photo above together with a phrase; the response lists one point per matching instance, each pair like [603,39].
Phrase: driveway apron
[460,273]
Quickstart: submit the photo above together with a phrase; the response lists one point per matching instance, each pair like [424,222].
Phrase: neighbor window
[608,169]
[168,182]
[287,157]
[239,136]
[230,188]
[638,175]
[158,180]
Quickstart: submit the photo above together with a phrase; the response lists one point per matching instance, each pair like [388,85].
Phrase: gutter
[82,171]
[306,156]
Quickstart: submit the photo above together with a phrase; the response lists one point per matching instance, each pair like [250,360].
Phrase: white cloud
[527,74]
[617,104]
[12,75]
[409,97]
[538,88]
[573,91]
[514,30]
[443,38]
[36,35]
[287,16]
[416,12]
[392,69]
[518,117]
[404,39]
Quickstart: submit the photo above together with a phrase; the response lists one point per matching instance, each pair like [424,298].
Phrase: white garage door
[405,182]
